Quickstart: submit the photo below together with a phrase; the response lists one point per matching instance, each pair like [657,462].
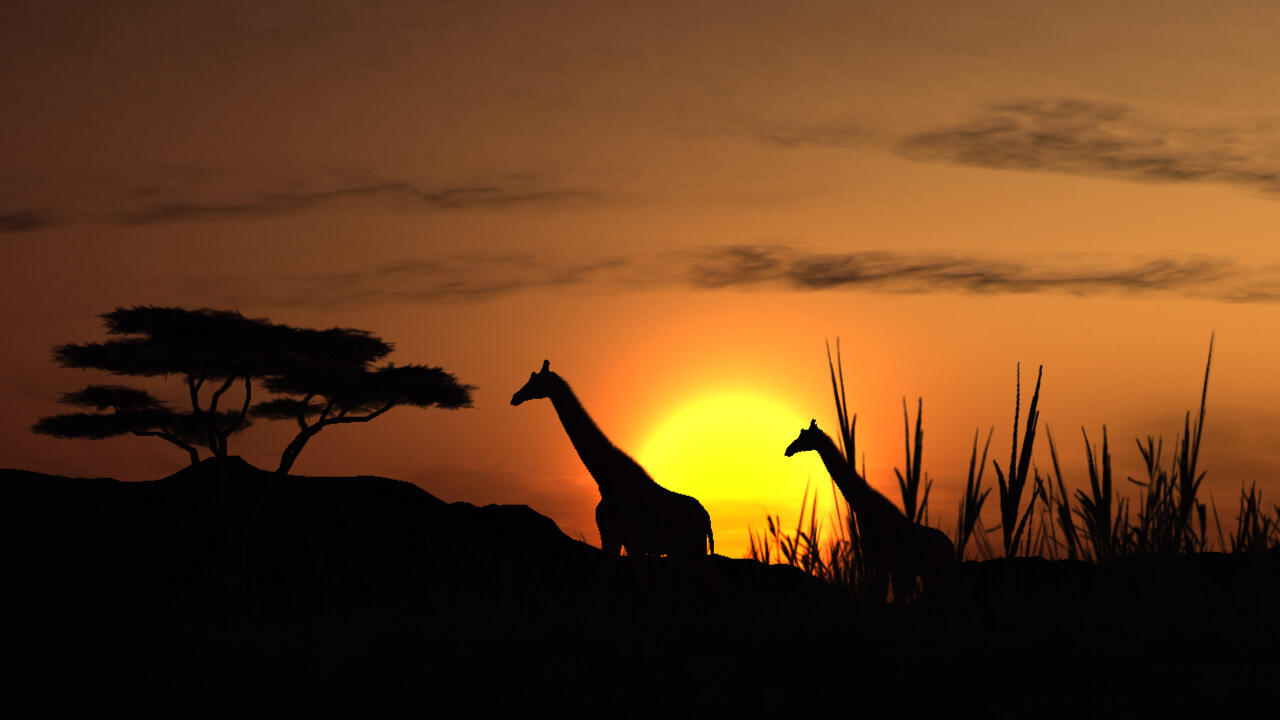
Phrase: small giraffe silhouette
[634,511]
[893,546]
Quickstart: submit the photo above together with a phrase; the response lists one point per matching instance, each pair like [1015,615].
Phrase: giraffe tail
[711,541]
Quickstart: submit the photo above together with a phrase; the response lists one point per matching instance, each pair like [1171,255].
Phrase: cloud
[833,135]
[455,278]
[477,278]
[781,266]
[1104,140]
[23,221]
[399,194]
[190,202]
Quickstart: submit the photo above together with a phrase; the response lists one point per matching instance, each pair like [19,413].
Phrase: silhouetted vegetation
[326,377]
[323,394]
[882,545]
[1095,523]
[224,582]
[909,479]
[1012,527]
[968,518]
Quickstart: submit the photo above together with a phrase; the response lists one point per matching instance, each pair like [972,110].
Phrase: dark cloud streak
[478,278]
[453,279]
[396,195]
[24,221]
[399,194]
[837,135]
[1103,140]
[781,266]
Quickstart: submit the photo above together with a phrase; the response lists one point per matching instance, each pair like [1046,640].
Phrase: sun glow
[727,451]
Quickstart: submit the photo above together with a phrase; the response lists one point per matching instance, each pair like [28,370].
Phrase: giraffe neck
[853,487]
[597,453]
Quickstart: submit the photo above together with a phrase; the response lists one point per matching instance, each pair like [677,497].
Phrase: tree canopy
[322,377]
[320,396]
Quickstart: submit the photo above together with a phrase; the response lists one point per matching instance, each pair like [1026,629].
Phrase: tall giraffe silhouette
[893,546]
[634,511]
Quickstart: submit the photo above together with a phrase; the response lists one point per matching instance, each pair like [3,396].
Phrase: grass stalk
[1188,478]
[847,423]
[1061,504]
[974,496]
[909,484]
[1095,507]
[1012,485]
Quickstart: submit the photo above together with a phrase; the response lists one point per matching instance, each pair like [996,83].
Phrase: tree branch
[244,412]
[358,418]
[325,413]
[294,449]
[166,435]
[193,388]
[217,394]
[302,414]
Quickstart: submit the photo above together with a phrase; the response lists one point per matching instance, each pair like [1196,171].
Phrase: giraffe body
[634,512]
[894,548]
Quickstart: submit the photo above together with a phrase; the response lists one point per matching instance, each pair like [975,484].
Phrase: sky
[678,205]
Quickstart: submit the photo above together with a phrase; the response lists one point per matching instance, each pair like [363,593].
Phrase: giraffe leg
[611,548]
[610,541]
[904,584]
[877,582]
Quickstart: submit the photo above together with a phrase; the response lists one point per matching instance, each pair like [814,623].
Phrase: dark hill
[223,583]
[224,578]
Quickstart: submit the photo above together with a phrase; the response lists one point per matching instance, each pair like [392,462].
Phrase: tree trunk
[225,433]
[294,448]
[170,437]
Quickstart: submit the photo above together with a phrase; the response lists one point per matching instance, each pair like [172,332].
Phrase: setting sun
[727,450]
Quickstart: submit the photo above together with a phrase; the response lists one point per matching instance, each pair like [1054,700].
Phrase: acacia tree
[132,411]
[212,350]
[324,395]
[209,349]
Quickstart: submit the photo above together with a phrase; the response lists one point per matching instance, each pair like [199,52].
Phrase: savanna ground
[225,589]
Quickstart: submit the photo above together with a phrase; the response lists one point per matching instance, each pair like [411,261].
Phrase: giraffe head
[806,440]
[538,386]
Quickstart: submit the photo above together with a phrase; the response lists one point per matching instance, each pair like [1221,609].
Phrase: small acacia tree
[212,350]
[131,411]
[324,395]
[209,349]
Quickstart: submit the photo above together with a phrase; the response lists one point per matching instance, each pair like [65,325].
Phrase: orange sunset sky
[675,203]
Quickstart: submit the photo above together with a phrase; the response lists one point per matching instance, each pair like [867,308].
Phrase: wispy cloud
[781,266]
[476,278]
[194,202]
[1104,140]
[23,221]
[399,194]
[455,278]
[830,135]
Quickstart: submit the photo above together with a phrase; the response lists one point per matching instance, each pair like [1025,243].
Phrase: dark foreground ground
[226,591]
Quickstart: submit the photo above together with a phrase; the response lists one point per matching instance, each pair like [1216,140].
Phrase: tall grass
[839,558]
[835,558]
[1012,484]
[969,516]
[1256,530]
[1060,504]
[1095,522]
[847,423]
[1169,518]
[909,484]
